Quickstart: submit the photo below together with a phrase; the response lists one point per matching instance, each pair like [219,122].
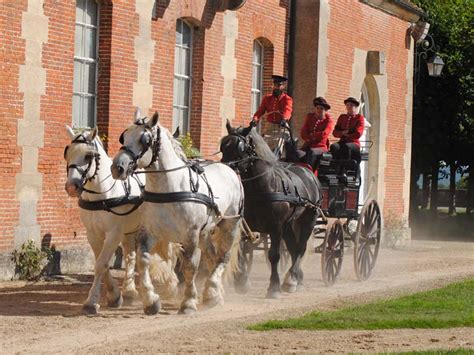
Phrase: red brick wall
[12,48]
[58,214]
[367,28]
[268,22]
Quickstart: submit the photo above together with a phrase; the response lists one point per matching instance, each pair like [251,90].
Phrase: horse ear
[70,132]
[245,131]
[176,133]
[138,114]
[92,134]
[229,127]
[154,120]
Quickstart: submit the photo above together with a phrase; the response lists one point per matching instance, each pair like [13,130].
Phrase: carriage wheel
[367,239]
[332,252]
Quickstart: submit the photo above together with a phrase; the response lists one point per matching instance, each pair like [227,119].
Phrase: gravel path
[45,316]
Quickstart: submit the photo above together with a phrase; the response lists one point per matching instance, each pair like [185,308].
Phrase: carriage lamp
[425,45]
[435,65]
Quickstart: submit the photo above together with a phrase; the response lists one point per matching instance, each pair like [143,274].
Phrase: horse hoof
[273,295]
[129,295]
[88,309]
[242,287]
[187,311]
[300,287]
[212,302]
[289,288]
[117,303]
[152,309]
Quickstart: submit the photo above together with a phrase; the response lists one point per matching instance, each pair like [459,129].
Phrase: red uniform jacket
[282,103]
[355,125]
[316,131]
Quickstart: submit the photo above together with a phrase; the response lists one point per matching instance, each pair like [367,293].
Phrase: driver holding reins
[276,108]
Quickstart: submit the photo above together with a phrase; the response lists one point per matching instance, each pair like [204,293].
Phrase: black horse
[281,200]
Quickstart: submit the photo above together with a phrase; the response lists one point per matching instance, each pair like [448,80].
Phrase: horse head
[237,147]
[140,146]
[82,159]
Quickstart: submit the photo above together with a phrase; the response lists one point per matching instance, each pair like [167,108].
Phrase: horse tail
[162,269]
[233,266]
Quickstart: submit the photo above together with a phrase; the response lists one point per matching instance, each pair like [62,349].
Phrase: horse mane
[176,144]
[261,148]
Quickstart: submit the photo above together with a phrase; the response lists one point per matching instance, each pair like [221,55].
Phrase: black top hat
[353,100]
[278,79]
[321,101]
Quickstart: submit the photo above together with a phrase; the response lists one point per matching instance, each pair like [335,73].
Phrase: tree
[443,120]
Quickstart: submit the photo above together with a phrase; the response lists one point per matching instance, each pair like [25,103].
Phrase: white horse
[199,207]
[110,214]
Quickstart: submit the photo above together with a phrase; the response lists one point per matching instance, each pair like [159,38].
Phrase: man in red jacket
[315,132]
[275,107]
[349,128]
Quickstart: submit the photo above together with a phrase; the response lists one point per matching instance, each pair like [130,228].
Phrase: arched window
[364,109]
[182,76]
[84,102]
[257,76]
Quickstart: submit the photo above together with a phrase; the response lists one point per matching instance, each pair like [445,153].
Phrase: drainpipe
[291,47]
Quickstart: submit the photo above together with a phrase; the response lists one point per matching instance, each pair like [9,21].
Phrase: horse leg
[150,300]
[190,264]
[305,234]
[241,277]
[129,291]
[223,238]
[290,280]
[103,251]
[274,289]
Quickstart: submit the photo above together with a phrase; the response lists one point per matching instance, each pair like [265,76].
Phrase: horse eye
[145,139]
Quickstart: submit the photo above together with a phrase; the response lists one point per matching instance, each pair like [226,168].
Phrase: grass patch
[447,307]
[436,352]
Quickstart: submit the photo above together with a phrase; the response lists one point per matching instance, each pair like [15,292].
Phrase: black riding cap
[353,100]
[278,79]
[321,101]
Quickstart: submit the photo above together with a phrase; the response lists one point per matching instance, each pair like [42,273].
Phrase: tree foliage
[443,124]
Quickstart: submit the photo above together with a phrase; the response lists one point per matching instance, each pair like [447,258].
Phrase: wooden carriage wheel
[332,252]
[367,239]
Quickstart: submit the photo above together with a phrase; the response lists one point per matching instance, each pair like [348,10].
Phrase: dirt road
[45,317]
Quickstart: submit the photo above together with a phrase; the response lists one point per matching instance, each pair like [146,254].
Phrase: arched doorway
[366,144]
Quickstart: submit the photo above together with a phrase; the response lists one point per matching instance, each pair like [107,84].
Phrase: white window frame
[189,78]
[257,90]
[84,60]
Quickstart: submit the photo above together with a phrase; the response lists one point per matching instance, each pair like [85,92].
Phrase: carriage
[344,222]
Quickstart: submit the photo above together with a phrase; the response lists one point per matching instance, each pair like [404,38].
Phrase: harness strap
[282,197]
[108,204]
[181,196]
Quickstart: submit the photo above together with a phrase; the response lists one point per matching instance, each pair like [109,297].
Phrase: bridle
[245,152]
[94,158]
[147,141]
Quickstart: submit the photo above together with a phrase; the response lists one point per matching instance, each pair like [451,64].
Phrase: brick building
[198,63]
